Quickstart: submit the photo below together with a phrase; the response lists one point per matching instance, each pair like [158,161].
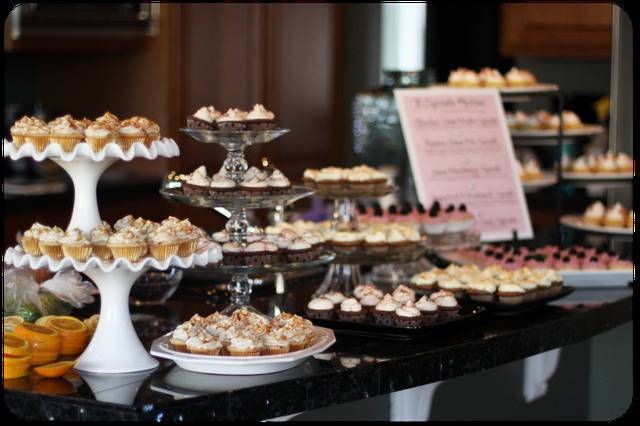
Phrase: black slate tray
[368,328]
[497,308]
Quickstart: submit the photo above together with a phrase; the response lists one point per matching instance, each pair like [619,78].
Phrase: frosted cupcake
[403,294]
[130,132]
[384,311]
[519,78]
[278,183]
[463,77]
[369,302]
[490,77]
[197,183]
[616,216]
[232,120]
[244,346]
[448,306]
[594,214]
[180,336]
[76,244]
[109,118]
[19,130]
[408,316]
[274,343]
[99,237]
[221,184]
[335,297]
[203,345]
[99,134]
[330,178]
[351,310]
[320,308]
[424,280]
[204,118]
[510,293]
[188,236]
[254,185]
[66,131]
[29,240]
[429,310]
[346,241]
[37,134]
[124,222]
[362,290]
[259,118]
[49,242]
[128,244]
[481,289]
[163,243]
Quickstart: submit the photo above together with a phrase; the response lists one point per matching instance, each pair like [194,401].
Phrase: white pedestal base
[115,347]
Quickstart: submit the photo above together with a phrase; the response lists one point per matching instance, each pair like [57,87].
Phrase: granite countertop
[354,368]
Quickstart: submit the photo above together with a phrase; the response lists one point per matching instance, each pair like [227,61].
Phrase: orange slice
[57,369]
[43,357]
[44,320]
[67,325]
[37,333]
[14,371]
[57,386]
[15,345]
[92,323]
[10,323]
[15,361]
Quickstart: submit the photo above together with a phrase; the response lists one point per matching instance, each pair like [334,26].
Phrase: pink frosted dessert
[455,223]
[594,263]
[567,262]
[621,264]
[462,215]
[511,264]
[538,262]
[435,223]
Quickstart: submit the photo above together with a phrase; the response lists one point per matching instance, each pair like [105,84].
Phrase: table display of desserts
[515,80]
[544,124]
[355,182]
[615,220]
[399,314]
[605,166]
[243,342]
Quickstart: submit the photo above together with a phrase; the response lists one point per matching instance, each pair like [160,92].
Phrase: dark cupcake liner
[260,124]
[231,126]
[383,317]
[199,124]
[190,189]
[429,318]
[351,316]
[407,321]
[325,314]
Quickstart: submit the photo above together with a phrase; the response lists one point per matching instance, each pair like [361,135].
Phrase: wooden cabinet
[556,30]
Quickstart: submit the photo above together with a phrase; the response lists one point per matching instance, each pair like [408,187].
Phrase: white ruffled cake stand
[115,347]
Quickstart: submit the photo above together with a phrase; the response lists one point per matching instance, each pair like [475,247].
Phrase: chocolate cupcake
[384,312]
[259,118]
[448,306]
[233,254]
[232,120]
[197,183]
[204,119]
[408,316]
[350,310]
[299,250]
[320,308]
[428,309]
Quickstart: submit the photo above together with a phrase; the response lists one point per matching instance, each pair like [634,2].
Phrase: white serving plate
[17,257]
[535,184]
[597,176]
[595,279]
[163,147]
[241,365]
[585,130]
[575,221]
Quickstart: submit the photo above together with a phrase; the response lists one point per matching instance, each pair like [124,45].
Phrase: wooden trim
[172,18]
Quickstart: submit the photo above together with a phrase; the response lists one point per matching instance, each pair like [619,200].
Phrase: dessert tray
[575,222]
[350,193]
[532,185]
[597,176]
[404,255]
[584,130]
[242,365]
[369,328]
[322,259]
[233,139]
[163,147]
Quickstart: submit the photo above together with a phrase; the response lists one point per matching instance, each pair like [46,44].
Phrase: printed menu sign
[461,152]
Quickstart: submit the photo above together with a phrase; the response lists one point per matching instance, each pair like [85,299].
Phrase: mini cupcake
[259,118]
[127,244]
[519,78]
[346,241]
[440,293]
[320,308]
[151,130]
[331,179]
[110,118]
[362,290]
[203,345]
[163,243]
[384,311]
[179,337]
[624,163]
[463,77]
[66,131]
[19,129]
[221,184]
[594,214]
[29,240]
[188,236]
[403,294]
[369,302]
[298,250]
[244,346]
[309,177]
[278,183]
[424,280]
[99,134]
[99,237]
[428,309]
[481,290]
[197,183]
[124,222]
[607,163]
[452,285]
[616,216]
[254,185]
[447,306]
[490,77]
[398,240]
[510,293]
[37,134]
[274,343]
[76,244]
[232,120]
[129,133]
[408,316]
[351,310]
[233,253]
[335,297]
[375,242]
[204,118]
[49,242]
[257,253]
[435,223]
[621,264]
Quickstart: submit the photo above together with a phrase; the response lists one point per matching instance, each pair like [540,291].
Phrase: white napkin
[538,369]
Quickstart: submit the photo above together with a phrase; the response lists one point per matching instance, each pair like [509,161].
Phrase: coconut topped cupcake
[204,118]
[259,118]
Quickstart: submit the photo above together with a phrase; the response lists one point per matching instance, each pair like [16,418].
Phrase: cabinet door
[565,30]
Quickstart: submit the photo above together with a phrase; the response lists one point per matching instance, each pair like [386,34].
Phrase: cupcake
[128,244]
[594,214]
[278,183]
[351,310]
[440,293]
[408,316]
[203,345]
[274,343]
[18,130]
[49,242]
[188,236]
[298,250]
[369,301]
[99,237]
[375,242]
[384,311]
[204,118]
[232,120]
[346,241]
[309,177]
[530,288]
[607,163]
[447,306]
[99,134]
[621,264]
[254,185]
[435,223]
[362,290]
[424,280]
[151,130]
[320,308]
[125,222]
[518,78]
[334,297]
[29,240]
[481,290]
[179,337]
[429,310]
[256,253]
[403,294]
[624,163]
[221,184]
[37,134]
[616,216]
[510,293]
[463,77]
[109,118]
[259,118]
[163,243]
[490,77]
[197,183]
[66,131]
[330,179]
[129,133]
[233,253]
[76,244]
[452,285]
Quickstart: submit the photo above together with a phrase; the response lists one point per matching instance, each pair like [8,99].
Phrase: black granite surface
[354,368]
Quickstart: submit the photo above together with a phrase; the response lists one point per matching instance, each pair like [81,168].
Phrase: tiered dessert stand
[344,274]
[115,347]
[238,225]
